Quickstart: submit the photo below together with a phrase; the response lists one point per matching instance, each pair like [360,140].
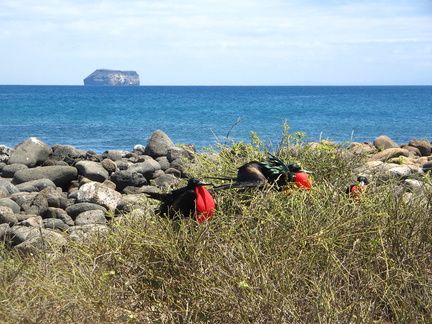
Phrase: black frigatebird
[274,171]
[193,200]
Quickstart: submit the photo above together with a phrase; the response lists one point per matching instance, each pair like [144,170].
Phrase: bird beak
[205,183]
[306,171]
[361,184]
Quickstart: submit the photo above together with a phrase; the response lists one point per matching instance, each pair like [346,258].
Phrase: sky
[218,42]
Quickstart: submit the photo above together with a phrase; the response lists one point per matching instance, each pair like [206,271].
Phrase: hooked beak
[306,171]
[205,183]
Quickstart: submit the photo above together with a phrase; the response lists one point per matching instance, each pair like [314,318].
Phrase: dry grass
[265,257]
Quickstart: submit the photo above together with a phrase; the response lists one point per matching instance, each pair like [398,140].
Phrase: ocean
[117,118]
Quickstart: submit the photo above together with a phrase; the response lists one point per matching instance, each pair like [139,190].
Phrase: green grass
[265,257]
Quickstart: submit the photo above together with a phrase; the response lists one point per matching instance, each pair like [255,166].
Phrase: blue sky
[218,42]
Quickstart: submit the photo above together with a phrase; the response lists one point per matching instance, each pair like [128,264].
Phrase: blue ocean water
[102,118]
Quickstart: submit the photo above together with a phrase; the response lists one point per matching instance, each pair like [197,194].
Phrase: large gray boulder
[59,174]
[384,142]
[146,168]
[31,152]
[66,153]
[76,209]
[35,185]
[97,193]
[7,202]
[389,154]
[44,241]
[158,144]
[423,145]
[126,178]
[9,170]
[91,217]
[7,215]
[5,153]
[92,170]
[7,188]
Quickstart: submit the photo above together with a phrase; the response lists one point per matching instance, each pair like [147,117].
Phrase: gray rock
[423,145]
[5,153]
[35,185]
[20,233]
[427,166]
[4,229]
[31,152]
[38,206]
[7,188]
[67,153]
[158,144]
[76,209]
[174,153]
[91,217]
[55,198]
[66,219]
[100,194]
[114,155]
[109,165]
[23,199]
[92,170]
[46,241]
[146,168]
[34,221]
[173,171]
[7,202]
[384,142]
[122,165]
[165,180]
[163,162]
[126,178]
[9,170]
[7,216]
[55,223]
[390,153]
[60,175]
[404,170]
[83,232]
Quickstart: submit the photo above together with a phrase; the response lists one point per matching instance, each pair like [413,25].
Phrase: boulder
[45,241]
[91,217]
[5,153]
[74,210]
[158,144]
[9,170]
[37,206]
[54,198]
[390,153]
[7,202]
[55,223]
[92,170]
[361,148]
[35,185]
[163,162]
[109,165]
[33,221]
[165,180]
[31,152]
[384,142]
[126,178]
[423,145]
[114,155]
[7,216]
[7,188]
[97,193]
[427,166]
[67,153]
[146,168]
[60,175]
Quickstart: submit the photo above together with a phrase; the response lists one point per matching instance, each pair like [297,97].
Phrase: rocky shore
[48,192]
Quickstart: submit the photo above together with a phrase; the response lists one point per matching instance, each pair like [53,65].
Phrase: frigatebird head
[195,182]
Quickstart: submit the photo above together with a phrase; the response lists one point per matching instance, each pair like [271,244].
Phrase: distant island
[104,77]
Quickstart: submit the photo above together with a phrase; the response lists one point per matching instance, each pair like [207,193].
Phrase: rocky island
[104,77]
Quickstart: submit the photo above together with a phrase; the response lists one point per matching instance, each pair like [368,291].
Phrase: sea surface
[117,118]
